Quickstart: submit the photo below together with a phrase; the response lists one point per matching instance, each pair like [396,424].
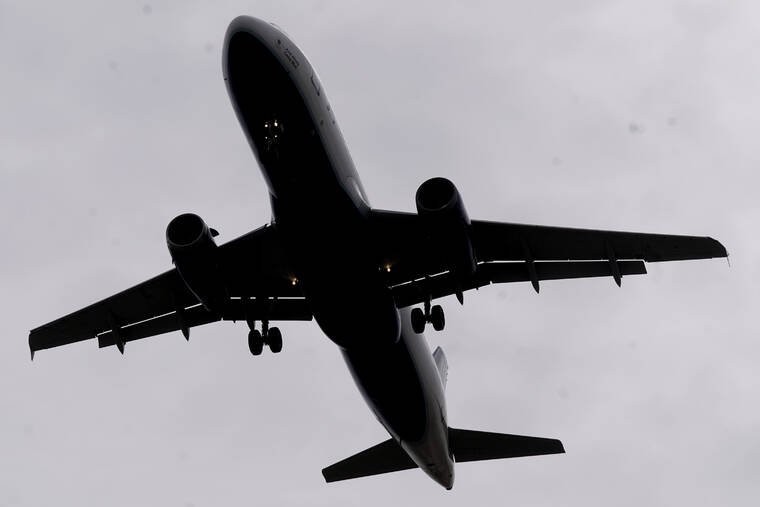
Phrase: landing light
[387,268]
[275,123]
[294,281]
[266,125]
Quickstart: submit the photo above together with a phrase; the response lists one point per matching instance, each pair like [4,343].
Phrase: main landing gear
[267,336]
[433,315]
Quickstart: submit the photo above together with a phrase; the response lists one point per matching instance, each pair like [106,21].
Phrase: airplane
[367,276]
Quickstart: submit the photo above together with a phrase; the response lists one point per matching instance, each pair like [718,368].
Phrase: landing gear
[255,342]
[418,321]
[267,336]
[437,318]
[433,315]
[274,340]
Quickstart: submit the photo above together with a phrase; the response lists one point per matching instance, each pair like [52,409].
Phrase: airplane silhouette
[361,273]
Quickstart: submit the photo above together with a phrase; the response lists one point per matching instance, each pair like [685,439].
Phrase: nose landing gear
[433,315]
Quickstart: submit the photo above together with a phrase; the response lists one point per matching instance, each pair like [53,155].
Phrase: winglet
[718,249]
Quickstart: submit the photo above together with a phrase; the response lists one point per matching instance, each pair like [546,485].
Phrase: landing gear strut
[433,315]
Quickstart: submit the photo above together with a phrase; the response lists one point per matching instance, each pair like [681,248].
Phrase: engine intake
[194,253]
[447,225]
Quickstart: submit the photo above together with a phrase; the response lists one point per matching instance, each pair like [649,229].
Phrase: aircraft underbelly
[401,385]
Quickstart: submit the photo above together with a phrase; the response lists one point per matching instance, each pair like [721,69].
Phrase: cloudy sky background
[607,114]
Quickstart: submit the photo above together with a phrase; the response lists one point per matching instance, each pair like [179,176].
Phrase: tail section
[468,445]
[465,445]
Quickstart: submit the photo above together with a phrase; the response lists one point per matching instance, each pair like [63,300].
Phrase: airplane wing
[507,252]
[259,280]
[252,266]
[507,242]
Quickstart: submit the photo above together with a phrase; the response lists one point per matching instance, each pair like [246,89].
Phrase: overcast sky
[629,115]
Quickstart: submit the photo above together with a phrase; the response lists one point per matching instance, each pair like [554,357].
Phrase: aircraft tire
[418,321]
[437,318]
[274,340]
[255,342]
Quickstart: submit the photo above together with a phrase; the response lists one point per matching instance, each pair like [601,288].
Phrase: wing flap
[446,284]
[237,309]
[195,316]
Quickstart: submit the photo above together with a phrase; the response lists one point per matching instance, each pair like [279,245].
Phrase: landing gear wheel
[437,318]
[255,342]
[274,340]
[418,320]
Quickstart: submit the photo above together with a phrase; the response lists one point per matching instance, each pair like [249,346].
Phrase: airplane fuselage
[320,211]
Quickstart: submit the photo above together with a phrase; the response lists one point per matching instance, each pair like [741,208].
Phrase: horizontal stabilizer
[469,445]
[380,459]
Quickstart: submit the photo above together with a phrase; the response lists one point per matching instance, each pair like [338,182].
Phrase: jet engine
[194,253]
[447,225]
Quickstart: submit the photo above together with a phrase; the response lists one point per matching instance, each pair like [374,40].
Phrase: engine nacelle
[447,225]
[194,252]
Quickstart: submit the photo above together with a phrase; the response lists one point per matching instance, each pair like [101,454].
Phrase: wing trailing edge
[446,284]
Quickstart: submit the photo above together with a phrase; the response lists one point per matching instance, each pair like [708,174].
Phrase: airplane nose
[243,35]
[443,474]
